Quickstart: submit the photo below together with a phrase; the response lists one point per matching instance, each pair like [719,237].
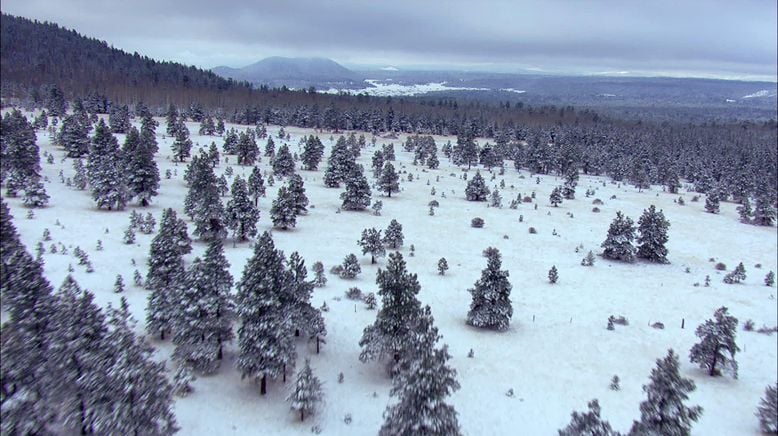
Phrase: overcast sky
[727,38]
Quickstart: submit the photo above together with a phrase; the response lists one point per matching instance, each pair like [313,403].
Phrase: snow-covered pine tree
[265,341]
[105,171]
[712,201]
[745,211]
[297,189]
[571,181]
[77,354]
[717,348]
[312,153]
[769,279]
[143,180]
[618,244]
[256,185]
[203,202]
[423,382]
[556,197]
[319,279]
[20,159]
[393,325]
[282,162]
[242,215]
[73,137]
[306,319]
[119,118]
[588,424]
[357,193]
[9,245]
[491,306]
[767,412]
[737,275]
[442,266]
[165,274]
[377,163]
[389,181]
[338,164]
[137,397]
[664,411]
[171,120]
[476,188]
[350,267]
[307,393]
[270,147]
[764,211]
[230,145]
[393,235]
[652,235]
[283,213]
[371,243]
[79,178]
[553,275]
[182,146]
[221,305]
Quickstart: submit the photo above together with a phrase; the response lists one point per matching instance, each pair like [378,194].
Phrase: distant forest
[43,62]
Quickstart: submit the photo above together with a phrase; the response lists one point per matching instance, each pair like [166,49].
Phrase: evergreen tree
[165,274]
[491,306]
[652,229]
[392,329]
[143,173]
[203,203]
[767,412]
[264,337]
[393,235]
[556,197]
[442,266]
[737,275]
[350,267]
[571,181]
[148,128]
[55,102]
[20,159]
[466,150]
[171,119]
[182,146]
[307,392]
[618,244]
[588,424]
[769,279]
[284,210]
[297,189]
[242,215]
[312,153]
[270,147]
[663,412]
[377,163]
[138,398]
[371,243]
[764,212]
[712,201]
[230,145]
[256,185]
[246,149]
[80,178]
[319,280]
[422,384]
[219,282]
[389,181]
[745,211]
[105,171]
[119,119]
[282,162]
[717,348]
[339,164]
[476,188]
[553,275]
[357,193]
[74,137]
[207,127]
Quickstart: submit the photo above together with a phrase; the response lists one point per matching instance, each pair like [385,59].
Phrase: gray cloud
[713,37]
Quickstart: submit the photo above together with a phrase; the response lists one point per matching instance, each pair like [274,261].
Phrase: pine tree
[377,163]
[744,211]
[769,279]
[307,392]
[265,336]
[398,289]
[270,147]
[423,382]
[393,235]
[220,303]
[476,188]
[104,170]
[319,280]
[143,181]
[20,159]
[357,193]
[339,164]
[442,266]
[663,412]
[282,162]
[284,211]
[74,137]
[118,285]
[242,215]
[171,119]
[203,203]
[312,153]
[165,274]
[553,275]
[119,119]
[764,212]
[571,181]
[618,244]
[767,412]
[717,348]
[712,201]
[230,145]
[466,150]
[305,318]
[10,244]
[652,229]
[371,243]
[556,197]
[182,146]
[389,181]
[139,397]
[350,267]
[256,185]
[297,189]
[737,275]
[491,306]
[588,424]
[79,178]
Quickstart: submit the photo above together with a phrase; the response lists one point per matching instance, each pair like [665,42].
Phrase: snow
[390,68]
[557,354]
[758,94]
[517,91]
[382,88]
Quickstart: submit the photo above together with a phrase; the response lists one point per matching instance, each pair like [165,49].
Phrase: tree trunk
[372,259]
[284,377]
[162,335]
[302,415]
[263,385]
[317,345]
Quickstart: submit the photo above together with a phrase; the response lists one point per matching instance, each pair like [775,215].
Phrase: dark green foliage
[74,137]
[717,348]
[284,210]
[491,306]
[312,153]
[371,243]
[282,162]
[652,229]
[618,244]
[242,215]
[476,188]
[357,193]
[105,170]
[589,423]
[389,181]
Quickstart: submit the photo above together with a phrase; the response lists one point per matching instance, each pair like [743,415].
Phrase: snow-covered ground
[384,88]
[557,354]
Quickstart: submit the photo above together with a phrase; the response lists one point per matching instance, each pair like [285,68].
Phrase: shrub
[477,222]
[597,201]
[596,209]
[527,199]
[354,293]
[721,266]
[748,325]
[658,325]
[532,230]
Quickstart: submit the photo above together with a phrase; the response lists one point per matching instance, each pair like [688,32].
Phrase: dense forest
[45,65]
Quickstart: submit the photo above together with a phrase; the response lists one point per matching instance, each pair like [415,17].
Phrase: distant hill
[293,72]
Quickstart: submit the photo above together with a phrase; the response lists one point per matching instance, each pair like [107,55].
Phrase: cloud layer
[719,38]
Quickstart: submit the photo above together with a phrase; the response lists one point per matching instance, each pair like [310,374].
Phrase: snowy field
[557,354]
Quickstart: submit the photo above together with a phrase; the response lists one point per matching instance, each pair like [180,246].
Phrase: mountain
[293,72]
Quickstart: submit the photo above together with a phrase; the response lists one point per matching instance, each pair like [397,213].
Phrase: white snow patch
[381,88]
[517,91]
[758,94]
